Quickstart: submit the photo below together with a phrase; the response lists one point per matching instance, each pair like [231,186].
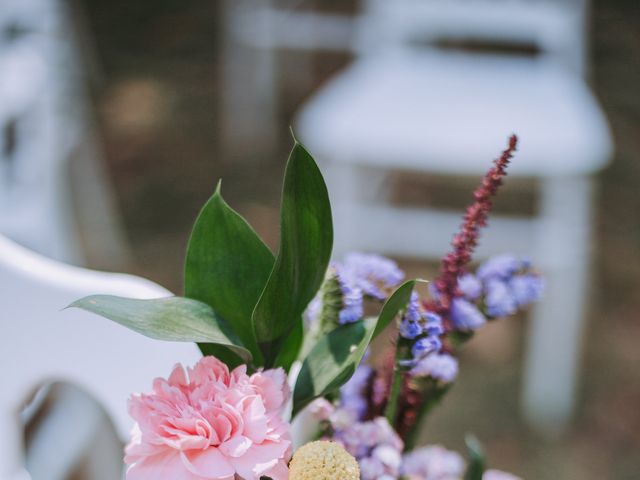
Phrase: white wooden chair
[41,343]
[46,136]
[406,105]
[255,33]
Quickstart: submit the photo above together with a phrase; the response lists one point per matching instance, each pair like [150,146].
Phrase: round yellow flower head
[323,460]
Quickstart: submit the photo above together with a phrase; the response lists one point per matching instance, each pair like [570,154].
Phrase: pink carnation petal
[236,446]
[260,459]
[164,466]
[273,387]
[255,420]
[178,376]
[279,472]
[210,464]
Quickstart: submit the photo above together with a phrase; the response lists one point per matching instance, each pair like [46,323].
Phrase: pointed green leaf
[396,302]
[332,361]
[306,238]
[173,318]
[227,267]
[475,470]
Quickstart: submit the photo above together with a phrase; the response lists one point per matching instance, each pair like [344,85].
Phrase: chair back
[555,28]
[40,126]
[41,343]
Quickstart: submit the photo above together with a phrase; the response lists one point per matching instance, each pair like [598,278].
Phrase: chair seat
[449,112]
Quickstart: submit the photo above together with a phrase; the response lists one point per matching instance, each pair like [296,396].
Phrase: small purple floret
[440,366]
[526,288]
[374,274]
[501,266]
[425,346]
[470,286]
[499,300]
[465,315]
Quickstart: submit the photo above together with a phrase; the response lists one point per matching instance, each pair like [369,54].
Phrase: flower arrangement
[265,323]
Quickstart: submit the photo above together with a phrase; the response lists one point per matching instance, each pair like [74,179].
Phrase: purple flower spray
[464,243]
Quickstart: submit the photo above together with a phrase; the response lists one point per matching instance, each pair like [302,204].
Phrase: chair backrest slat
[554,27]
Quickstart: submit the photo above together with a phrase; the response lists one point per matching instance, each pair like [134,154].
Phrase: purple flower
[352,303]
[352,393]
[466,240]
[410,329]
[373,274]
[470,286]
[418,321]
[433,463]
[432,324]
[501,267]
[363,275]
[383,464]
[499,299]
[376,446]
[465,315]
[410,324]
[440,366]
[526,289]
[425,346]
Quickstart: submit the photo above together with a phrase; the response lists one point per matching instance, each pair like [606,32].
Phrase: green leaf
[396,302]
[227,267]
[332,361]
[477,462]
[173,318]
[306,238]
[291,348]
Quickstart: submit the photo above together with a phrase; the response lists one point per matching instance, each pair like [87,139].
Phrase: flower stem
[391,412]
[432,398]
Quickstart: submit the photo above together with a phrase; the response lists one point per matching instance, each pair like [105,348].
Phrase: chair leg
[554,341]
[249,79]
[12,448]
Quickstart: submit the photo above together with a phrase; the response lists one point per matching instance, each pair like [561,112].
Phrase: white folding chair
[409,105]
[41,343]
[46,134]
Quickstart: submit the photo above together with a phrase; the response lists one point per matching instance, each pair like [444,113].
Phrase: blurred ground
[158,110]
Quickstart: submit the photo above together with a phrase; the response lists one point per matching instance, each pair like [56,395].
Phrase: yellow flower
[323,460]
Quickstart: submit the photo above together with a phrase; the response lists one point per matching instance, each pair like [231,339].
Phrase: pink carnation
[209,423]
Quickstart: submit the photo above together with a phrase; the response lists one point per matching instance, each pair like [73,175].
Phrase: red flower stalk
[466,240]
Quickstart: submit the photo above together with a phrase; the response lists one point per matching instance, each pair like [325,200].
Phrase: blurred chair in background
[254,33]
[41,344]
[438,88]
[47,137]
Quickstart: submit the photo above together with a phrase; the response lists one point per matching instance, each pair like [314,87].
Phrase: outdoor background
[158,97]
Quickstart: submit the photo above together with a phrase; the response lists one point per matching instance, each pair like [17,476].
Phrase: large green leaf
[306,238]
[172,318]
[227,267]
[332,361]
[291,347]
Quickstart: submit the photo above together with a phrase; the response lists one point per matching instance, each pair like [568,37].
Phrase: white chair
[46,135]
[403,106]
[255,32]
[41,343]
